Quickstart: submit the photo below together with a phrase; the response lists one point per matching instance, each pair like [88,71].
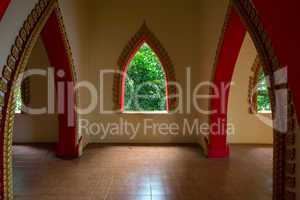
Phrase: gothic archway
[45,20]
[242,16]
[144,35]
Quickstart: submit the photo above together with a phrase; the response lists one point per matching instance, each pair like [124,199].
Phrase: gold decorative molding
[16,64]
[6,73]
[3,85]
[282,147]
[216,58]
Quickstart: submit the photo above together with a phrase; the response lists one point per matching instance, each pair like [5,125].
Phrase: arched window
[259,99]
[145,83]
[143,80]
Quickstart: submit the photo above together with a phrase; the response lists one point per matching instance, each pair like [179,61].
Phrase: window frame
[143,35]
[124,76]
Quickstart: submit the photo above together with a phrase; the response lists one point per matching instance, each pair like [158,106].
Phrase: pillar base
[67,153]
[214,152]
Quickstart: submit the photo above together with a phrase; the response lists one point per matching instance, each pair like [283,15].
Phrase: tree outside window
[18,97]
[263,99]
[145,84]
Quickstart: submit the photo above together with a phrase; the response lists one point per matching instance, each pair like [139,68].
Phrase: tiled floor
[143,173]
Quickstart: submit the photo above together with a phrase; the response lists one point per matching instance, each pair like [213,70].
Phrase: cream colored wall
[189,30]
[248,127]
[99,30]
[37,128]
[190,40]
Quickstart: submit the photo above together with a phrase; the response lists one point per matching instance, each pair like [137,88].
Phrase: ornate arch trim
[284,167]
[143,35]
[284,141]
[16,64]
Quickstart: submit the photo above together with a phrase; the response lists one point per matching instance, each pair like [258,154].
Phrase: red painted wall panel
[58,57]
[3,6]
[281,20]
[233,38]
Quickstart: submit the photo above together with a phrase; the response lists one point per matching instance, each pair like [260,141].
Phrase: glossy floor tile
[143,173]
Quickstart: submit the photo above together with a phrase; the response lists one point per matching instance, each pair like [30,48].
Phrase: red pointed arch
[44,20]
[277,50]
[144,35]
[229,47]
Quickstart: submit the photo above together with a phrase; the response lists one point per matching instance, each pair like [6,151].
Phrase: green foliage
[18,97]
[263,99]
[145,84]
